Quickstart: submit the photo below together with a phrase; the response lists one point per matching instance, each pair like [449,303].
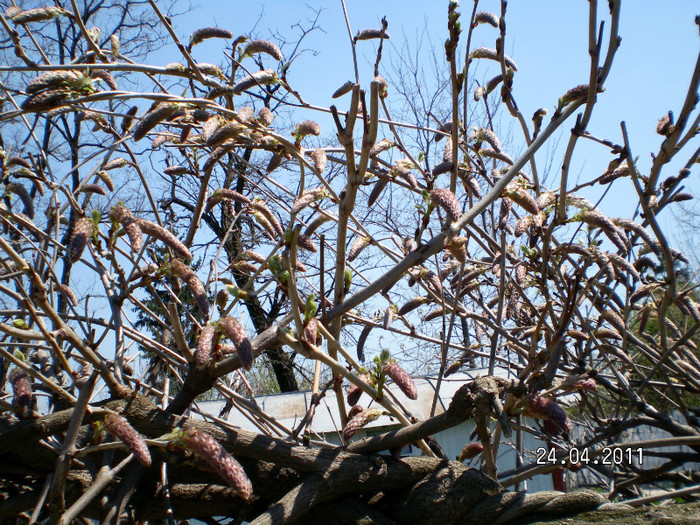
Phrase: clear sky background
[548,39]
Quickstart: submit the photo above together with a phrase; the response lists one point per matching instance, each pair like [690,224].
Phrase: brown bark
[292,483]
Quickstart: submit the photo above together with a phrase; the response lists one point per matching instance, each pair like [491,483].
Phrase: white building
[289,410]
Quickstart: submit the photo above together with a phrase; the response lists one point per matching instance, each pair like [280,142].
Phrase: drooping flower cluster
[359,421]
[555,418]
[205,33]
[209,342]
[187,275]
[354,392]
[217,457]
[470,450]
[359,244]
[21,388]
[158,232]
[402,379]
[205,345]
[123,215]
[308,127]
[83,230]
[262,46]
[235,331]
[264,77]
[447,201]
[120,428]
[21,192]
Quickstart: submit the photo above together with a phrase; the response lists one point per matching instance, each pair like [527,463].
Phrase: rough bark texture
[291,483]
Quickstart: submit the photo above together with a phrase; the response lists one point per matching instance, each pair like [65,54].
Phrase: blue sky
[548,40]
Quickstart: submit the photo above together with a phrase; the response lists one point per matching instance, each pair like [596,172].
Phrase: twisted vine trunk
[292,483]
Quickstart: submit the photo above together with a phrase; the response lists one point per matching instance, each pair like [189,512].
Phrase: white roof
[290,408]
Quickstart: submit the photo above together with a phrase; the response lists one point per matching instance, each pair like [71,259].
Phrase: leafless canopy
[179,231]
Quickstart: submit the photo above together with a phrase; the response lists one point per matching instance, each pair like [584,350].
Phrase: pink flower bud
[21,388]
[224,464]
[355,392]
[470,450]
[238,336]
[359,421]
[120,428]
[588,385]
[123,215]
[401,379]
[447,201]
[167,238]
[205,345]
[354,411]
[187,275]
[82,231]
[556,420]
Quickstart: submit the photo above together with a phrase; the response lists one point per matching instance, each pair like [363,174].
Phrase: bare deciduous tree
[156,258]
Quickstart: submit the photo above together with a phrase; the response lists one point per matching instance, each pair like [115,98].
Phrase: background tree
[248,236]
